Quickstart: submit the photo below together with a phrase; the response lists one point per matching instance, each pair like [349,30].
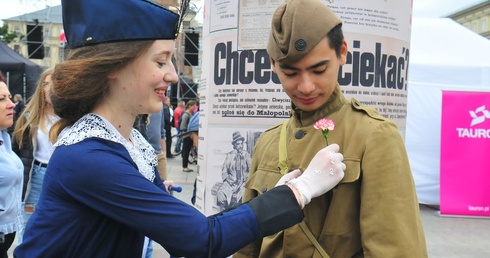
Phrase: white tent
[443,56]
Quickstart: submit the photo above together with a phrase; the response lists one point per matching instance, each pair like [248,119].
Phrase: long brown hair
[81,82]
[34,114]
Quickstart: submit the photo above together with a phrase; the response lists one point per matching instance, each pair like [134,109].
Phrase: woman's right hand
[324,172]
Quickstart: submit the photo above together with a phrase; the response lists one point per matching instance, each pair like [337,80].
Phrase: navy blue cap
[88,22]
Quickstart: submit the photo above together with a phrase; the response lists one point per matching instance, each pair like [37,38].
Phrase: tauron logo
[477,118]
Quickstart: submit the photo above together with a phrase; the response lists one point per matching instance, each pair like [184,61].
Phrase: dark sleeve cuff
[276,210]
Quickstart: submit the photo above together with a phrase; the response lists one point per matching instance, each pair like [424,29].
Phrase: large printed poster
[465,145]
[241,96]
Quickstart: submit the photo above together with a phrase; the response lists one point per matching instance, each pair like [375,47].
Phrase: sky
[421,8]
[12,8]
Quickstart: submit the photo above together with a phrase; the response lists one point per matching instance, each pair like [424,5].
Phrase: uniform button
[300,134]
[264,189]
[300,44]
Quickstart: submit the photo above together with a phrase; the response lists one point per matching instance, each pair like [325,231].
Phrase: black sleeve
[276,210]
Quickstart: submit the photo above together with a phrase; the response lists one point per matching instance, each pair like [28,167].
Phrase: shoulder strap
[283,152]
[313,240]
[284,166]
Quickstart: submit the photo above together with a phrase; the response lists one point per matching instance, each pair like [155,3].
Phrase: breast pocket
[344,208]
[263,180]
[352,171]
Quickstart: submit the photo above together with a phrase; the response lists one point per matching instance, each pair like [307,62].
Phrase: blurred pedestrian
[186,140]
[31,142]
[167,116]
[19,104]
[156,137]
[177,113]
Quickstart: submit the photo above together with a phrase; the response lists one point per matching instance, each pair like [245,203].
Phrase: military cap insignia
[300,44]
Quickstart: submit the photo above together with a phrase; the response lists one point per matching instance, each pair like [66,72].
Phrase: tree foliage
[5,35]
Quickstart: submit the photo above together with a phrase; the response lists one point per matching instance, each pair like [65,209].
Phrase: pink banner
[465,154]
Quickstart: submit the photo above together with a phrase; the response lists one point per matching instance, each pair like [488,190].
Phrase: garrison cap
[297,27]
[89,22]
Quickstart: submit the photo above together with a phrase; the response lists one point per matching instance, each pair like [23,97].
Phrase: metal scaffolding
[187,87]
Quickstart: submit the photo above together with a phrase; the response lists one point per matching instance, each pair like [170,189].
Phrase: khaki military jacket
[374,210]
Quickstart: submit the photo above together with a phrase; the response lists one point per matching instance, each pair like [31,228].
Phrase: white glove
[323,173]
[289,176]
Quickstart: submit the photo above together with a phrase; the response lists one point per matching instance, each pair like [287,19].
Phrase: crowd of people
[83,172]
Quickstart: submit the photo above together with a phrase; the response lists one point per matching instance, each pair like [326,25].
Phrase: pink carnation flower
[326,125]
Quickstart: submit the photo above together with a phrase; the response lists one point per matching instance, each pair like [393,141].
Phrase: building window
[17,29]
[474,26]
[47,32]
[47,51]
[17,48]
[483,25]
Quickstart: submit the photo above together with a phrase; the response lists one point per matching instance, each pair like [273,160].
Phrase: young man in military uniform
[374,211]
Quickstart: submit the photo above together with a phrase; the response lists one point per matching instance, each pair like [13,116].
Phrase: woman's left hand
[168,183]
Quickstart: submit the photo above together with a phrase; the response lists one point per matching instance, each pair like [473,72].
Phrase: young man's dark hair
[336,38]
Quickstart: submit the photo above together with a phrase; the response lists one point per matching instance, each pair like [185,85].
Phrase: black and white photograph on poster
[232,159]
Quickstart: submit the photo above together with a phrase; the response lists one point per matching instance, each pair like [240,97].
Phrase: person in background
[193,131]
[196,108]
[31,142]
[361,217]
[186,140]
[11,177]
[3,78]
[177,113]
[104,193]
[141,124]
[171,109]
[19,105]
[156,135]
[167,116]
